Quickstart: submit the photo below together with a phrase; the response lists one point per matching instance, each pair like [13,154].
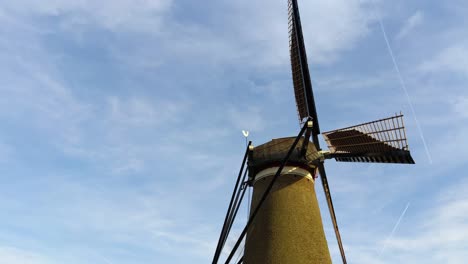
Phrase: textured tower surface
[288,227]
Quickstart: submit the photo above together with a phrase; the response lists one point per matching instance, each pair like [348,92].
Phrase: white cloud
[5,152]
[196,244]
[111,132]
[334,26]
[244,35]
[461,106]
[443,231]
[329,27]
[141,15]
[129,165]
[451,59]
[141,112]
[240,35]
[434,234]
[12,255]
[250,118]
[31,92]
[410,24]
[452,139]
[343,83]
[148,218]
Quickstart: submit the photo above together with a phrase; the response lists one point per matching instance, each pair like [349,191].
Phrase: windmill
[285,224]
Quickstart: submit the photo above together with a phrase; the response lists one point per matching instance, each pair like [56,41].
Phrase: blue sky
[120,124]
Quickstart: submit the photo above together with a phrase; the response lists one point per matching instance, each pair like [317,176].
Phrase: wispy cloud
[113,15]
[431,233]
[334,26]
[12,255]
[461,106]
[411,24]
[453,58]
[141,112]
[442,232]
[121,124]
[351,83]
[394,229]
[5,152]
[404,87]
[250,119]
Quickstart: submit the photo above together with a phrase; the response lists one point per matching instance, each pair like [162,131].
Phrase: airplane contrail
[402,83]
[393,230]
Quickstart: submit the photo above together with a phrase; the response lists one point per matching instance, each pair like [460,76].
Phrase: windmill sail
[380,141]
[305,101]
[300,69]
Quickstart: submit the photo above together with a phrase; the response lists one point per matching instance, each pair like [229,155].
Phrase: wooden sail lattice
[382,141]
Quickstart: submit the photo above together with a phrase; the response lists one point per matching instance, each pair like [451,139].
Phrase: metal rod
[305,142]
[237,206]
[331,209]
[223,230]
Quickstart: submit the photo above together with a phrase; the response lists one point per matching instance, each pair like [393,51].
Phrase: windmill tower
[285,224]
